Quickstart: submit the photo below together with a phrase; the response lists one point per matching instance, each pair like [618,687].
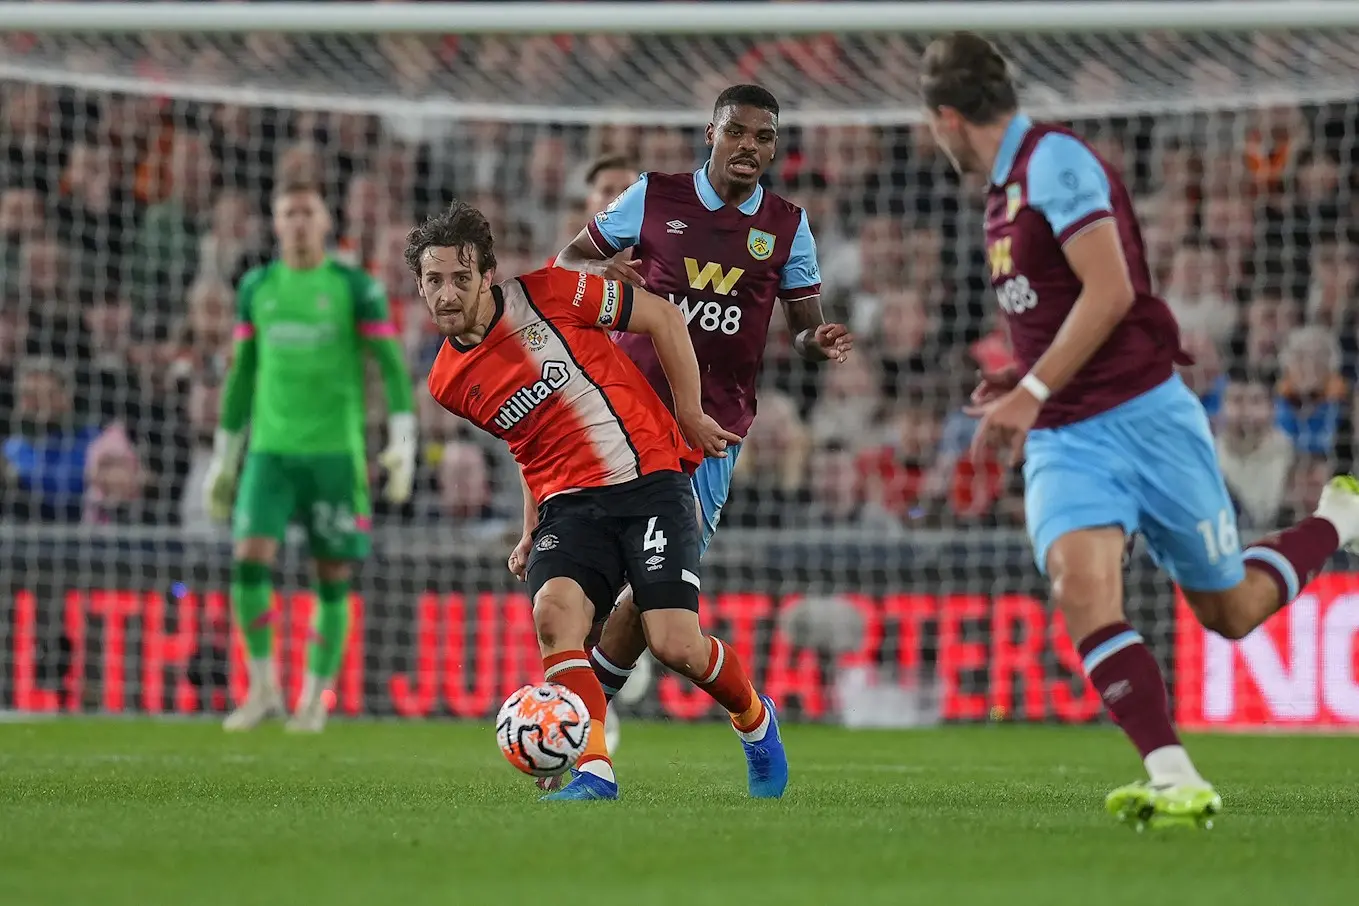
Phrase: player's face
[301,222]
[950,133]
[743,141]
[606,186]
[453,290]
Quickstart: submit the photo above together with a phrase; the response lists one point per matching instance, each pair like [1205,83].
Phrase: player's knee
[1076,590]
[672,630]
[684,651]
[256,550]
[560,616]
[1087,599]
[1218,612]
[333,570]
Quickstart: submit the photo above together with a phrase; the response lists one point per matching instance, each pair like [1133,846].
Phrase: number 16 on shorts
[1220,539]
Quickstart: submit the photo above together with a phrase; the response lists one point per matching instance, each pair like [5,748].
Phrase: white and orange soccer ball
[542,729]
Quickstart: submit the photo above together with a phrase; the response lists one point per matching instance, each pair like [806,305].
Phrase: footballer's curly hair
[964,71]
[462,227]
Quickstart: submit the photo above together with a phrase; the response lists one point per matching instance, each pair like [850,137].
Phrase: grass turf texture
[114,813]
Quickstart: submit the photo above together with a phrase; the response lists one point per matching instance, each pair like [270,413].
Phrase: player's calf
[1085,567]
[675,639]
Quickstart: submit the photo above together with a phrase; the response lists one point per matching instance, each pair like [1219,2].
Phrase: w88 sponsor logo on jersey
[709,315]
[1016,295]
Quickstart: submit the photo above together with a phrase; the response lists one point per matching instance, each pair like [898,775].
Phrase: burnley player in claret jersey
[723,249]
[1113,442]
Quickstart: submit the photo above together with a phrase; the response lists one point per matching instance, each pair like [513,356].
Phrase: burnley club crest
[760,244]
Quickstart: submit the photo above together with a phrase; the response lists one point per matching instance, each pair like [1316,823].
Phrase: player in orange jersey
[604,464]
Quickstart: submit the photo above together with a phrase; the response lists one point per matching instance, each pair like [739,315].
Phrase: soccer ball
[542,729]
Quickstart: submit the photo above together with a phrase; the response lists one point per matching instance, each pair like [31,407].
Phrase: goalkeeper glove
[399,457]
[219,488]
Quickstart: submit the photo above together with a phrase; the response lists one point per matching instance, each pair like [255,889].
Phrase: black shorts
[642,532]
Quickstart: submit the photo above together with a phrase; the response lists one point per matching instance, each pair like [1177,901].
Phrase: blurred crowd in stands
[126,220]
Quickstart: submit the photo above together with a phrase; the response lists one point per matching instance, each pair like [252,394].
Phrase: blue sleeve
[1067,184]
[802,269]
[620,224]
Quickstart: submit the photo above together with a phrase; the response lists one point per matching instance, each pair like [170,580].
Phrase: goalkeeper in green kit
[304,324]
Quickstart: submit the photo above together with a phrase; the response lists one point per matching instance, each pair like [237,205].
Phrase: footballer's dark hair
[964,71]
[461,226]
[608,162]
[746,96]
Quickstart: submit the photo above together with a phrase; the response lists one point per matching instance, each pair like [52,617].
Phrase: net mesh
[867,568]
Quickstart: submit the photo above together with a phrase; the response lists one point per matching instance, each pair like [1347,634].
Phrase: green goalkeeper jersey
[298,377]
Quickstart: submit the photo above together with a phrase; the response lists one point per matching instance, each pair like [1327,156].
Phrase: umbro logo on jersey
[677,227]
[654,563]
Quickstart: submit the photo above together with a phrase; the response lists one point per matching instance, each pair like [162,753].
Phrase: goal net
[867,568]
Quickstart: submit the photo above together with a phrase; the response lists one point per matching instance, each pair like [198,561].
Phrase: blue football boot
[766,761]
[584,787]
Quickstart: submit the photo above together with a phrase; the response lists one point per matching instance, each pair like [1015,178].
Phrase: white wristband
[228,446]
[1036,388]
[401,428]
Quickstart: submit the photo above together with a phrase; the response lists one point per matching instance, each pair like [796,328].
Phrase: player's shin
[329,635]
[678,643]
[572,669]
[252,593]
[1128,679]
[1290,559]
[620,645]
[726,681]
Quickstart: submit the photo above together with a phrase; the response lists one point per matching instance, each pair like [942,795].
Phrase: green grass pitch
[145,813]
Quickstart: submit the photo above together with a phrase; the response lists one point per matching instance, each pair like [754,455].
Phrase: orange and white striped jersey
[548,379]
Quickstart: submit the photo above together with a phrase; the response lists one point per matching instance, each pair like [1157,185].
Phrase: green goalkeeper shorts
[326,493]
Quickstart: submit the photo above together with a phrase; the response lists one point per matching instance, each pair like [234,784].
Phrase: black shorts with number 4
[642,532]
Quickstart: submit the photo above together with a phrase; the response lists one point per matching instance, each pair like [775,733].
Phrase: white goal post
[866,568]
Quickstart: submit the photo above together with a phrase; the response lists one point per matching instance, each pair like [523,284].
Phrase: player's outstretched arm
[598,249]
[664,323]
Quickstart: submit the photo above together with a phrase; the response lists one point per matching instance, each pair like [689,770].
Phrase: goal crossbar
[676,18]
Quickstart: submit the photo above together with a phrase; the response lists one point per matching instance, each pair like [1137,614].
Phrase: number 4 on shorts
[653,540]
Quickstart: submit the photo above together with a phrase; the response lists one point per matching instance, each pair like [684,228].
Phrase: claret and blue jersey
[1125,443]
[724,266]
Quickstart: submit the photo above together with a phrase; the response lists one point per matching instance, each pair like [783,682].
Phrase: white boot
[1339,506]
[312,710]
[263,701]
